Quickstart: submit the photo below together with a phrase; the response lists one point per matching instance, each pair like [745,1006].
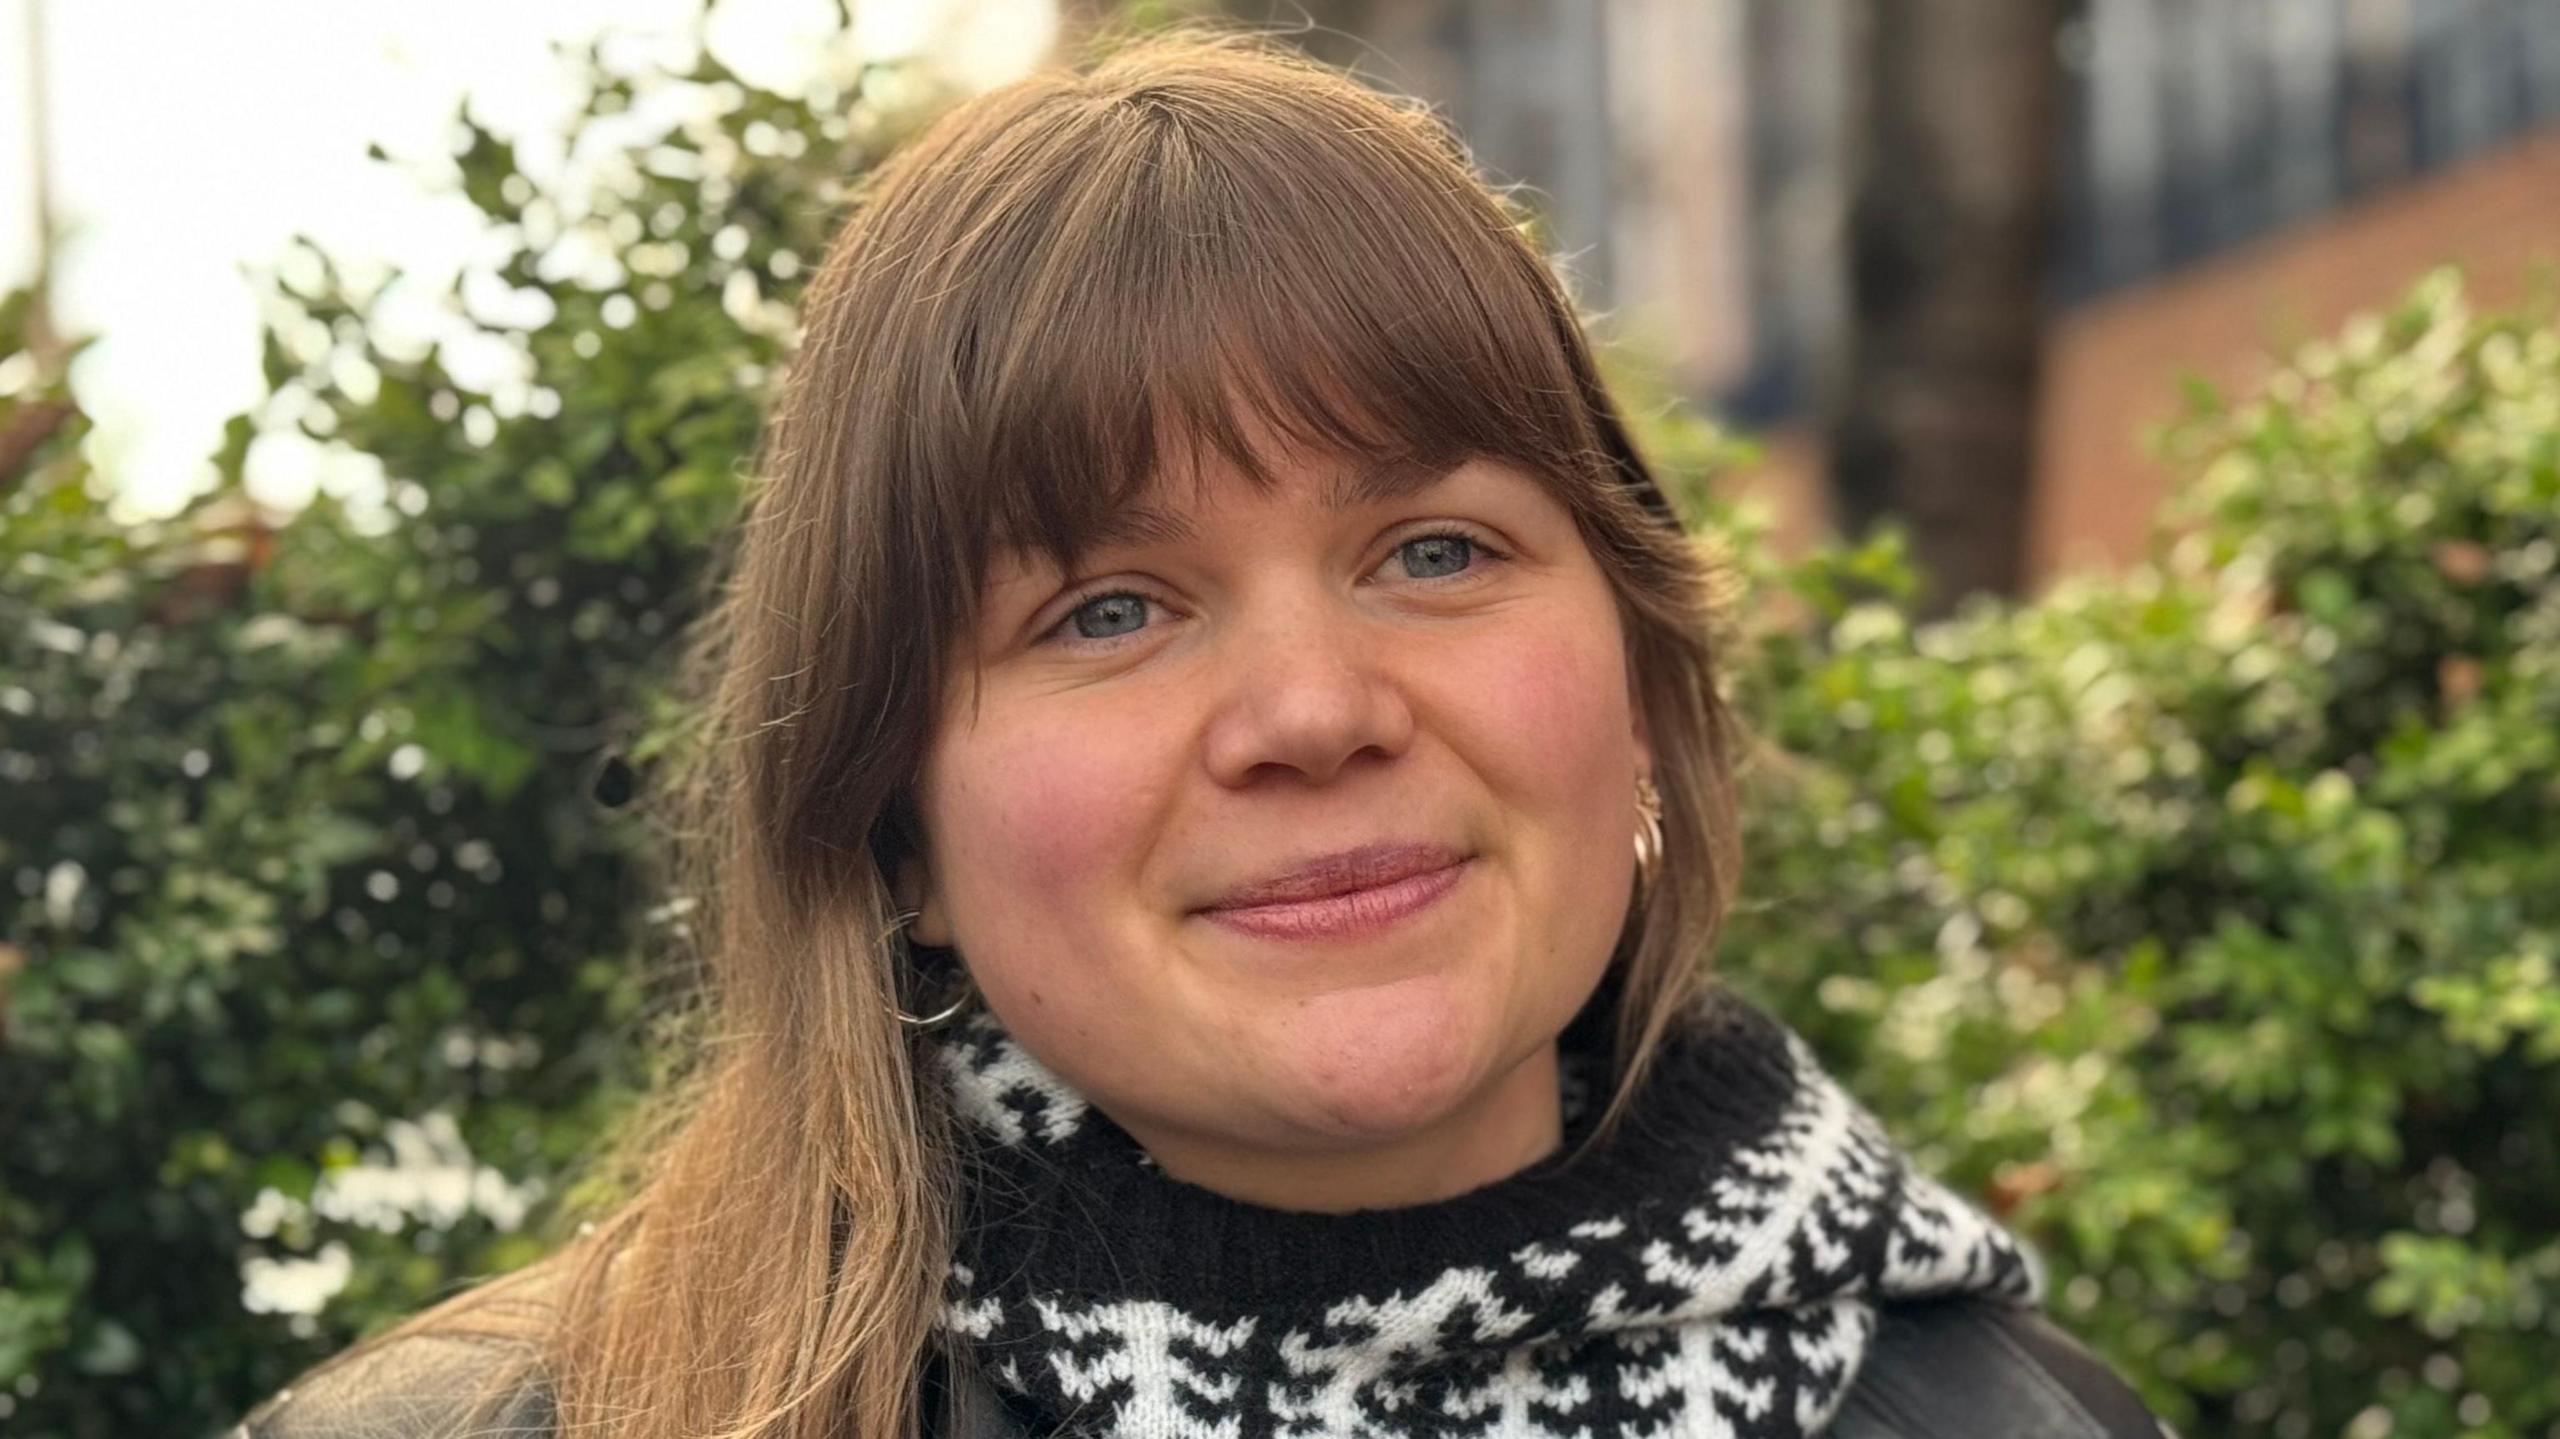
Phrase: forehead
[1165,512]
[1168,510]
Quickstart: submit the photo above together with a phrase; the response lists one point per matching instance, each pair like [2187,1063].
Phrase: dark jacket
[1945,1369]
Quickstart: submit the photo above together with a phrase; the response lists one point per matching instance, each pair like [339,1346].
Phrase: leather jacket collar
[1944,1369]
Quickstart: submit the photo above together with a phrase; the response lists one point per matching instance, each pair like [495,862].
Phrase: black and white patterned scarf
[1714,1269]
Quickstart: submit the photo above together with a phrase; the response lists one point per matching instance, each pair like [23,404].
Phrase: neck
[1513,1123]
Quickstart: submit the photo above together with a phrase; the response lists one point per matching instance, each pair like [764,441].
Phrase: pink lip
[1354,893]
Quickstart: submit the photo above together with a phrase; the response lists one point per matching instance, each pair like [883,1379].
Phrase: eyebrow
[1343,489]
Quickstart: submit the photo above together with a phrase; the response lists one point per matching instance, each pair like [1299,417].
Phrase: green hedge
[2205,917]
[2202,919]
[330,926]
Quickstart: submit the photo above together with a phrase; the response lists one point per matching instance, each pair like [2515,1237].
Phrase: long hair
[1030,309]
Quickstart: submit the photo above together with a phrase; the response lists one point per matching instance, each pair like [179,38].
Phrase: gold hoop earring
[1648,830]
[967,993]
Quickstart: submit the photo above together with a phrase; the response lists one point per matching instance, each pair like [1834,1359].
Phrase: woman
[1214,806]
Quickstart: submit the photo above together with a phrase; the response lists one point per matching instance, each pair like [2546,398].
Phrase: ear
[913,888]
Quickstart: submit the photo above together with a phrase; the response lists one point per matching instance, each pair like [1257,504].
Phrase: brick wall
[2114,365]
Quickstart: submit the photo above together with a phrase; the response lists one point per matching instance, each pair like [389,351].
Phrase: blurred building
[2235,175]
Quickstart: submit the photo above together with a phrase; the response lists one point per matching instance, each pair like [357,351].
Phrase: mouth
[1348,895]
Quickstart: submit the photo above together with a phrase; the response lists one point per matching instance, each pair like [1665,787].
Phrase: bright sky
[191,142]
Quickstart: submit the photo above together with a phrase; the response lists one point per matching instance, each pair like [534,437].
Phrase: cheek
[1041,835]
[1550,733]
[1547,710]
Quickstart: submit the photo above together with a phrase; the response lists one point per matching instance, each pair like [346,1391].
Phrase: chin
[1377,1063]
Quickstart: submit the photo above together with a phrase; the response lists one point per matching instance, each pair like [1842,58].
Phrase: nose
[1308,687]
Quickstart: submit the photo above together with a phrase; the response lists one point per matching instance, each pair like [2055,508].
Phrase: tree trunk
[1934,424]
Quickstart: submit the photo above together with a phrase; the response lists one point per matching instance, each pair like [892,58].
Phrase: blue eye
[1434,550]
[1103,619]
[1108,612]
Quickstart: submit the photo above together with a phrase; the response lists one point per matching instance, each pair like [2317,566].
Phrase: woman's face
[1443,672]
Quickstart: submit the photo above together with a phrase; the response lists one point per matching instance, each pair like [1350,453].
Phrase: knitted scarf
[1713,1269]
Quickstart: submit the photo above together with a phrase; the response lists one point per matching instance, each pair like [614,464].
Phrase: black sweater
[1716,1267]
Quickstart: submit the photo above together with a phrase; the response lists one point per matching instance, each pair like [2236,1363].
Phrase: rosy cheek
[1057,808]
[1556,700]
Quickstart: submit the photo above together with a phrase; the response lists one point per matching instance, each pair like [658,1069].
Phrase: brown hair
[1033,304]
